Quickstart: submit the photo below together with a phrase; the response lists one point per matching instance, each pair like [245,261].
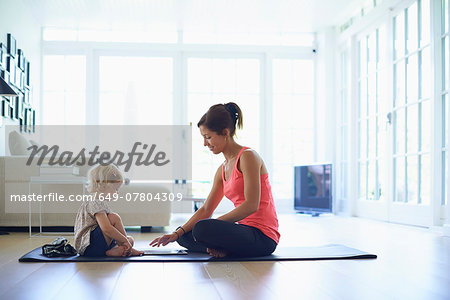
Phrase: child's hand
[164,240]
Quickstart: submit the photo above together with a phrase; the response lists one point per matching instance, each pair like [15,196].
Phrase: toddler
[98,230]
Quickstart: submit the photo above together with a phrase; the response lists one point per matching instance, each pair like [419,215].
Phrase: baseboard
[36,228]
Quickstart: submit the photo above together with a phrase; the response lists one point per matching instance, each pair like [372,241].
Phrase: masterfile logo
[51,164]
[67,158]
[147,152]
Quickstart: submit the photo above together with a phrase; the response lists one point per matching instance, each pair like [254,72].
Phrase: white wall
[15,18]
[326,101]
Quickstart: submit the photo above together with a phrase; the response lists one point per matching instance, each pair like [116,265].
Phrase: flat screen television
[312,189]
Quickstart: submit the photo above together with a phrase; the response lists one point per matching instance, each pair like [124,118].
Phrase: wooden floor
[413,263]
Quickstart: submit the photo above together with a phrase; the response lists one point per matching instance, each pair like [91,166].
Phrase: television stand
[312,213]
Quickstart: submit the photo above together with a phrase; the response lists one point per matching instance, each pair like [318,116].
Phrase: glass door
[407,182]
[411,109]
[372,125]
[394,118]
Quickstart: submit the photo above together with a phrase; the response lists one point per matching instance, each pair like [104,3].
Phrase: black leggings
[234,239]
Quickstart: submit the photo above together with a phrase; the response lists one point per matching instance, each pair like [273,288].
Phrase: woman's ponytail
[236,114]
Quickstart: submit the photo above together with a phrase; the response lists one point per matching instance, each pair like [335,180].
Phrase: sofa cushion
[18,144]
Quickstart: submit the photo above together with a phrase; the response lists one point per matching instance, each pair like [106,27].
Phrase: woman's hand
[164,240]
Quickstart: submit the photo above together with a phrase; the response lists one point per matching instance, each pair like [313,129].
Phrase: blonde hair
[99,176]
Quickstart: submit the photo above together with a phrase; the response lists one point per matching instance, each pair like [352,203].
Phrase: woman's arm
[211,203]
[204,212]
[250,167]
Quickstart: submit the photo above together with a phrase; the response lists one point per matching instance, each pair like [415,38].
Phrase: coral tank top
[265,218]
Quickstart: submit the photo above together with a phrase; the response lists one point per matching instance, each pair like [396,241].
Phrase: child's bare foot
[130,240]
[134,252]
[216,253]
[116,251]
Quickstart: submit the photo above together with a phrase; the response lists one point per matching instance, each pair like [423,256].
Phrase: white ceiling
[197,15]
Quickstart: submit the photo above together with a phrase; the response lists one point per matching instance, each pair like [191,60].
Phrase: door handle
[389,118]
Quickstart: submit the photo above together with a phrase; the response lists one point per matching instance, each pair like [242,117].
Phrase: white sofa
[15,180]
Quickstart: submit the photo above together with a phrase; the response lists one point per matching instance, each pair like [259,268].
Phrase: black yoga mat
[281,253]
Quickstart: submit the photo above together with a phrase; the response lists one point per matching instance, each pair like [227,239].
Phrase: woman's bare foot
[116,251]
[216,253]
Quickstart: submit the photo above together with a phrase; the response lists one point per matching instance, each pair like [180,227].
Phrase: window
[135,90]
[64,90]
[293,121]
[221,80]
[242,38]
[173,85]
[163,35]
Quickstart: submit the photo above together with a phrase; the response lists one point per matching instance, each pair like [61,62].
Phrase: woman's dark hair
[222,116]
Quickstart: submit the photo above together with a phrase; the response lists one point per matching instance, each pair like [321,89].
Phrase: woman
[251,228]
